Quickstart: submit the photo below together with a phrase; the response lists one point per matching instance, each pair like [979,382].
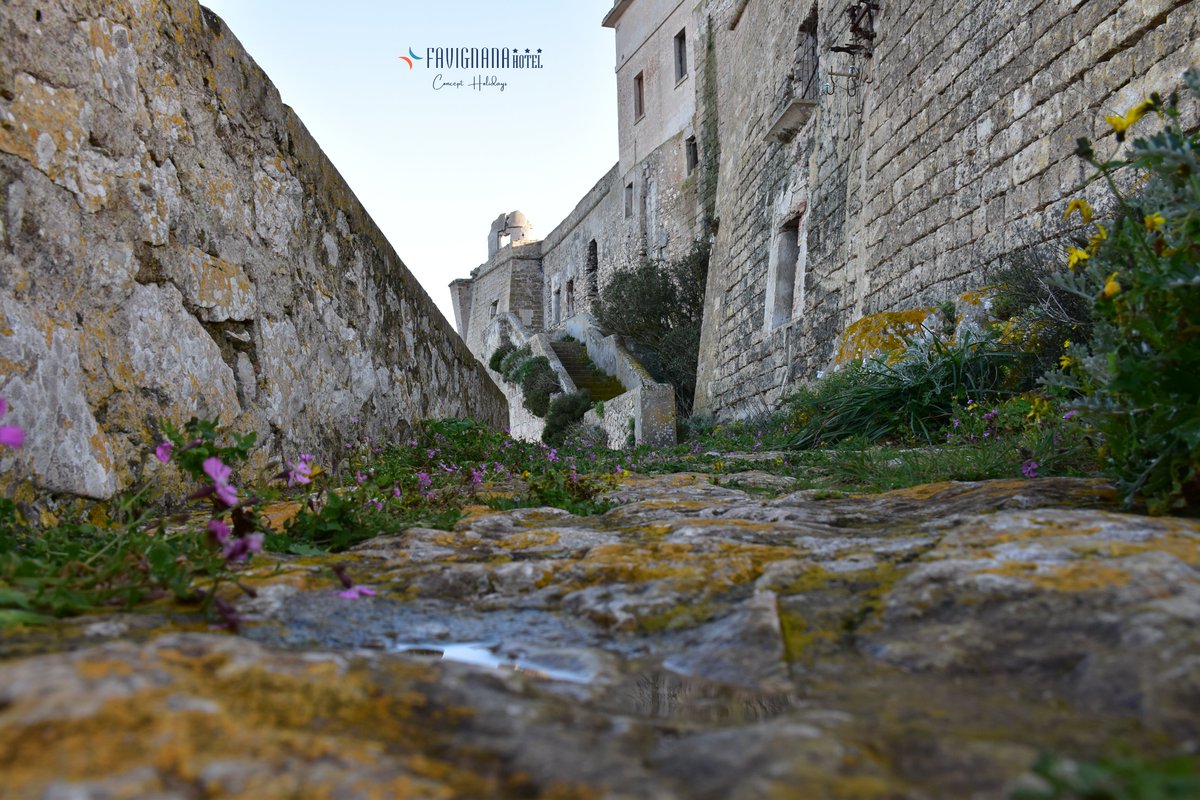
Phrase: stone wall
[174,242]
[960,149]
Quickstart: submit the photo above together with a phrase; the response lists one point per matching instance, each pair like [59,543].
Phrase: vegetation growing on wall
[533,374]
[658,309]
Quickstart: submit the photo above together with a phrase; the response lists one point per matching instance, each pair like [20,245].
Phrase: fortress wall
[174,242]
[959,150]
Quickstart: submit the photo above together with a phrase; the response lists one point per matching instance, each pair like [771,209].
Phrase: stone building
[843,157]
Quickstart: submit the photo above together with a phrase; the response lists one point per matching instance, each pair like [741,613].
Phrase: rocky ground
[697,641]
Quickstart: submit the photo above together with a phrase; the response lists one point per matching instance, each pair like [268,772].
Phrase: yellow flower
[1097,238]
[1080,205]
[718,464]
[1155,221]
[525,475]
[1112,287]
[1075,256]
[1122,124]
[1067,344]
[1065,361]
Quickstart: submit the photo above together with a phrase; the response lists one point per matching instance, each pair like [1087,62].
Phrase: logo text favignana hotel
[446,59]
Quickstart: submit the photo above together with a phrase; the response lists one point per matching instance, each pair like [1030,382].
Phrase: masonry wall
[174,242]
[959,150]
[510,281]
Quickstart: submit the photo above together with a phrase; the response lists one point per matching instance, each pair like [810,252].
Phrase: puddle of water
[482,655]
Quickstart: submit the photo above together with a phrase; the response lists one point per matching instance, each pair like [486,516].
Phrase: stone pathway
[696,642]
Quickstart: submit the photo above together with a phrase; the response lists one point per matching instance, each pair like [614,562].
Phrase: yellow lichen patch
[1076,576]
[798,639]
[529,540]
[1183,545]
[276,516]
[687,567]
[882,333]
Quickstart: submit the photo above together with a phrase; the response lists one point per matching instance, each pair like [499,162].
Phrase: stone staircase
[574,358]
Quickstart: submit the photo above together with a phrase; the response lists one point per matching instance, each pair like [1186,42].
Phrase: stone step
[573,356]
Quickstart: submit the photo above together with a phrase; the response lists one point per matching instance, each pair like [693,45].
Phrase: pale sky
[434,168]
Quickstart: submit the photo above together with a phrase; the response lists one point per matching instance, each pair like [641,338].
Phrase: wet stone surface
[699,641]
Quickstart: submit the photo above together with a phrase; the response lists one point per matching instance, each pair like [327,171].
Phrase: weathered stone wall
[959,150]
[173,242]
[510,281]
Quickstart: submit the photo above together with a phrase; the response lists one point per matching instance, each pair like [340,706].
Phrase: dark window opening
[628,200]
[681,60]
[692,154]
[639,97]
[495,307]
[571,298]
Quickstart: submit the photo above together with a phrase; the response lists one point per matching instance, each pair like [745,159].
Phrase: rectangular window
[681,65]
[639,97]
[785,294]
[628,200]
[495,307]
[692,154]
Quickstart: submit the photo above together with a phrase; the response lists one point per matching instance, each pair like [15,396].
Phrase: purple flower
[424,481]
[1070,414]
[240,549]
[397,491]
[477,477]
[220,473]
[377,503]
[301,471]
[450,470]
[219,531]
[163,452]
[356,592]
[360,477]
[956,422]
[552,455]
[430,452]
[10,435]
[1029,468]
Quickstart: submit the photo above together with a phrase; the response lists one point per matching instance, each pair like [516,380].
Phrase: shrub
[911,397]
[565,410]
[533,374]
[498,356]
[1142,278]
[538,382]
[658,309]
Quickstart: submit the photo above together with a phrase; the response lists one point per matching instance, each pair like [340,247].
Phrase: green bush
[533,374]
[538,382]
[658,309]
[1140,373]
[565,410]
[909,398]
[498,356]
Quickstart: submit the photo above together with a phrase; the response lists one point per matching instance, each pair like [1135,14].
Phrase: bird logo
[408,59]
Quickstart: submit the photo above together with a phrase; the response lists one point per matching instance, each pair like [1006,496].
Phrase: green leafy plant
[911,397]
[658,309]
[565,410]
[1112,779]
[535,376]
[1138,374]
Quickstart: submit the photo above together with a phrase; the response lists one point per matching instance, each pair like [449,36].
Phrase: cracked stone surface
[697,642]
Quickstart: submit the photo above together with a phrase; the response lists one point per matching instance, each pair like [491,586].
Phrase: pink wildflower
[240,549]
[552,455]
[424,482]
[163,452]
[219,531]
[356,592]
[1029,469]
[10,435]
[1070,414]
[360,477]
[220,473]
[301,471]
